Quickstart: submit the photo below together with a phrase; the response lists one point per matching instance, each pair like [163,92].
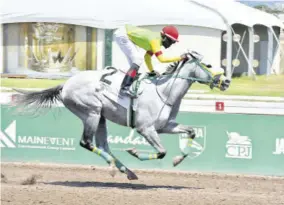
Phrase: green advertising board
[228,143]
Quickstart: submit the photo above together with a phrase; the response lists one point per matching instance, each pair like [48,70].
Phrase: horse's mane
[171,68]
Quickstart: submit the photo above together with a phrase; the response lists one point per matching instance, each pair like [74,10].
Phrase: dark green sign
[229,143]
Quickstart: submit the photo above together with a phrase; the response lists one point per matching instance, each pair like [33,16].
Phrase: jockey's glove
[184,56]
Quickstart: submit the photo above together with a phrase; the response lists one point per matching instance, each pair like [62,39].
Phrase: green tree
[268,9]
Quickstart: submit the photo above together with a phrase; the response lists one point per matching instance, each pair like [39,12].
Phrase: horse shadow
[117,185]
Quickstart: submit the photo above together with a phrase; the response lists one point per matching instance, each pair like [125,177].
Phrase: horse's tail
[34,101]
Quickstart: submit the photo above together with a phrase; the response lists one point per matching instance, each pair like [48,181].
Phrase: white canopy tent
[109,14]
[233,12]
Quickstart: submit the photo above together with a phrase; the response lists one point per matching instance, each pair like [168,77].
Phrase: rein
[182,77]
[192,78]
[176,75]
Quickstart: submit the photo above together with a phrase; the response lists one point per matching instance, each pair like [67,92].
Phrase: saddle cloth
[112,79]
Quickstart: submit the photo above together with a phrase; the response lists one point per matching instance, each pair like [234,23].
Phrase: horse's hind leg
[91,124]
[150,134]
[101,143]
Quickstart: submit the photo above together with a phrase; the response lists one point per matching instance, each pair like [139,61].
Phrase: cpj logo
[238,146]
[9,139]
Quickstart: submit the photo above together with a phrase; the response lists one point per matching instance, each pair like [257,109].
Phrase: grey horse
[157,106]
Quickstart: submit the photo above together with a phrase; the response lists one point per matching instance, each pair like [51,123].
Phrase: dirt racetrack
[88,185]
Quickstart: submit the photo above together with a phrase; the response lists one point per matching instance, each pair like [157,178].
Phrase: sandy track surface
[89,185]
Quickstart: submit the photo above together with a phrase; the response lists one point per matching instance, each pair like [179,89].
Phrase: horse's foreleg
[123,169]
[150,134]
[101,143]
[175,128]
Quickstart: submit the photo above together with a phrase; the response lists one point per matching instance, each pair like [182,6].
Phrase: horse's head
[219,80]
[203,73]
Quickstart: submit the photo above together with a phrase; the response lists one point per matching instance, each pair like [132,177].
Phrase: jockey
[129,37]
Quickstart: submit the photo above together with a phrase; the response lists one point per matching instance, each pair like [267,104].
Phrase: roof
[234,12]
[110,13]
[281,17]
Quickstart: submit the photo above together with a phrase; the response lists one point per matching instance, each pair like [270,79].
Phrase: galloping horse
[87,95]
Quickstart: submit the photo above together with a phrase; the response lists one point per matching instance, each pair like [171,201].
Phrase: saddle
[135,88]
[111,81]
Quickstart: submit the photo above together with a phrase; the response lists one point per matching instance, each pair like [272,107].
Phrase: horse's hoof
[129,149]
[132,151]
[112,170]
[177,160]
[131,175]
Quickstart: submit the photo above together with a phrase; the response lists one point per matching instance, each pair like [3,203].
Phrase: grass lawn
[29,83]
[262,86]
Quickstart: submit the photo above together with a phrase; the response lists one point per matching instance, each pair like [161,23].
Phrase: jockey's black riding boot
[129,77]
[127,81]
